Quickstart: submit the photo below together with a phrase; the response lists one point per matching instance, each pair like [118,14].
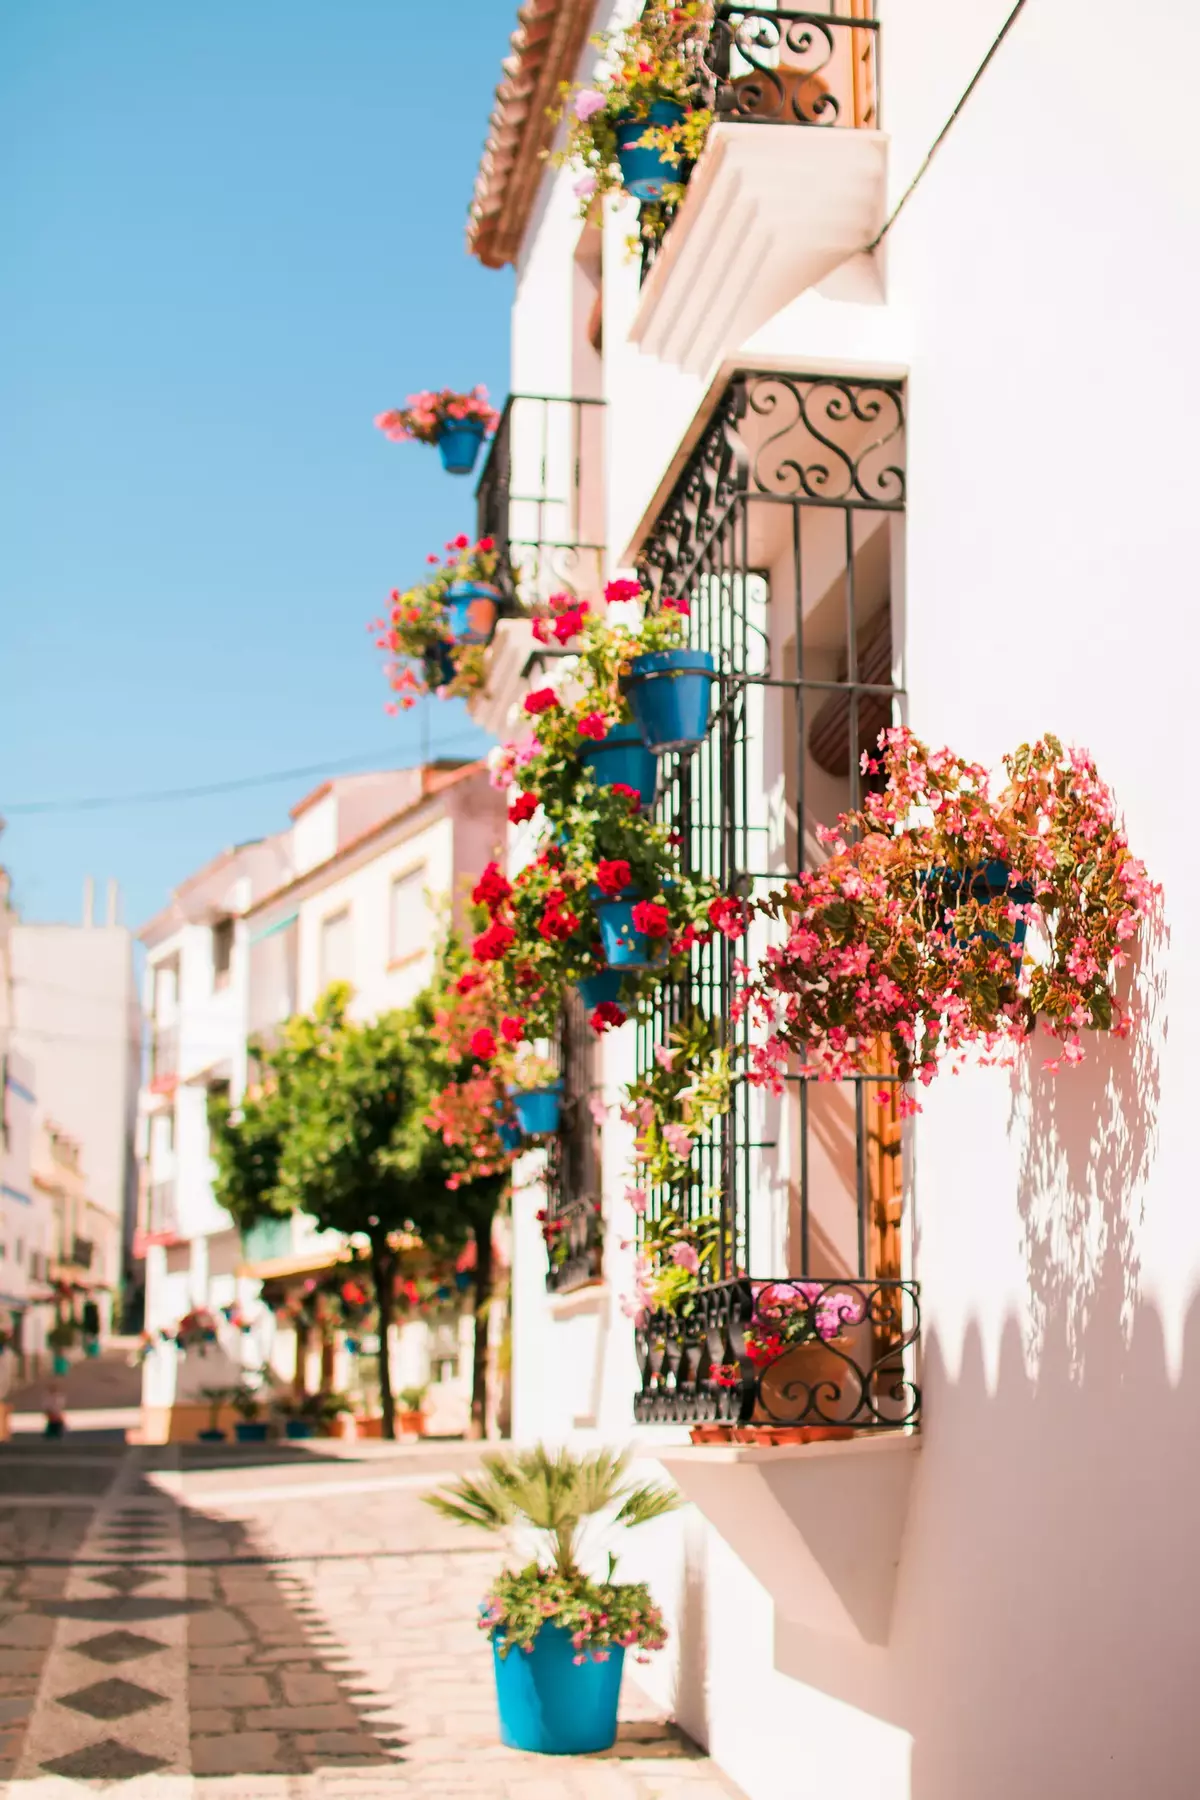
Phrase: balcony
[791,183]
[160,1215]
[541,496]
[164,1059]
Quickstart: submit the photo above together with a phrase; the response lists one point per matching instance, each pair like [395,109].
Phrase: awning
[266,931]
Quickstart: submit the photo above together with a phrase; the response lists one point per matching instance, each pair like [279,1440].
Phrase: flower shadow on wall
[1088,1145]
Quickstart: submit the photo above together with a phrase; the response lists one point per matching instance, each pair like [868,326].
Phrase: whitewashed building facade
[901,404]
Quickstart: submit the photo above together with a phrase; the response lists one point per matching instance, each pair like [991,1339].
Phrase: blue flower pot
[211,1437]
[596,990]
[511,1137]
[439,667]
[60,1364]
[644,171]
[351,1344]
[92,1347]
[471,611]
[458,442]
[670,692]
[249,1432]
[298,1428]
[986,881]
[625,948]
[623,757]
[537,1109]
[553,1705]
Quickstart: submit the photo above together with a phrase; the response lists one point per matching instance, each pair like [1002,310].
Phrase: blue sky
[230,234]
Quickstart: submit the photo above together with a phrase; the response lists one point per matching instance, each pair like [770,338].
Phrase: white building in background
[352,891]
[913,434]
[80,1251]
[77,1021]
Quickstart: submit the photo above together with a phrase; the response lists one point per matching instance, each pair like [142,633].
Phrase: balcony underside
[770,211]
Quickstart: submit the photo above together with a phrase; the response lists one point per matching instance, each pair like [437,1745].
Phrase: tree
[338,1130]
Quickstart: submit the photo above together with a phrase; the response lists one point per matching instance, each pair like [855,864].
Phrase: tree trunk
[483,1293]
[382,1274]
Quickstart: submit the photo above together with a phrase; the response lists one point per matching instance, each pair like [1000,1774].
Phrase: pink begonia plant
[895,943]
[424,416]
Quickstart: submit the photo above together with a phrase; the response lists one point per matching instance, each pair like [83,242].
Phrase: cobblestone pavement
[274,1625]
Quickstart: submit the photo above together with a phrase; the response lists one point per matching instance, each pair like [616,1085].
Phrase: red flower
[622,590]
[613,877]
[569,624]
[493,943]
[607,1015]
[677,606]
[557,925]
[467,983]
[541,700]
[492,889]
[486,543]
[483,1044]
[651,918]
[541,630]
[593,725]
[729,916]
[512,1030]
[522,808]
[461,542]
[433,559]
[629,793]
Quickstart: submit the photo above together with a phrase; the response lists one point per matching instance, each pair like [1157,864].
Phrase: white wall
[1041,291]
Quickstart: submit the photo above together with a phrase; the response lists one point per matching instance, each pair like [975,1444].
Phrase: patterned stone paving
[276,1629]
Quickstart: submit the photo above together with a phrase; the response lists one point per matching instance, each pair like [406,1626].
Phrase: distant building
[75,1017]
[81,1257]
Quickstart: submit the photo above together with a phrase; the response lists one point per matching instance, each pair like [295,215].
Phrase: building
[889,403]
[76,1019]
[353,890]
[82,1252]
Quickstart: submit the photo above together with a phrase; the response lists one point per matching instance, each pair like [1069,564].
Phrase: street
[252,1622]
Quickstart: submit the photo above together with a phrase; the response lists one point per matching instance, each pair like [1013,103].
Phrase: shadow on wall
[1046,1627]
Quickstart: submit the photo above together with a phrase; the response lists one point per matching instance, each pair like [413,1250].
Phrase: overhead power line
[157,796]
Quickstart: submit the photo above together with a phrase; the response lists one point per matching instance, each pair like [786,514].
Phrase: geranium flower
[557,925]
[606,1017]
[622,589]
[492,889]
[628,793]
[541,700]
[523,808]
[512,1029]
[493,943]
[729,916]
[677,606]
[613,877]
[483,1044]
[469,981]
[651,918]
[570,623]
[593,725]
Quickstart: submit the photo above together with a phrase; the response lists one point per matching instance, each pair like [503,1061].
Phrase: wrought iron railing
[782,532]
[573,1225]
[766,66]
[541,496]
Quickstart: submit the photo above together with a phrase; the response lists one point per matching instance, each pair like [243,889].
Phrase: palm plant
[556,1493]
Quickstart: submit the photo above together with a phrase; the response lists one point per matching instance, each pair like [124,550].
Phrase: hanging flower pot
[439,666]
[458,444]
[645,172]
[471,609]
[670,692]
[550,1703]
[628,944]
[621,757]
[601,989]
[538,1109]
[950,889]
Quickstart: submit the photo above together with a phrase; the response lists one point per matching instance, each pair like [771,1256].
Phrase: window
[337,948]
[19,1250]
[222,951]
[410,916]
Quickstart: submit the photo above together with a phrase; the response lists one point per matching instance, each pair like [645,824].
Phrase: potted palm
[217,1397]
[247,1402]
[60,1338]
[456,423]
[410,1418]
[558,1693]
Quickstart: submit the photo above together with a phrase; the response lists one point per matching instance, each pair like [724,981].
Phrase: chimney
[113,908]
[89,901]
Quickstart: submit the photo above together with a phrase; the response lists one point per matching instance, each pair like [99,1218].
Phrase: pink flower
[636,1197]
[585,187]
[684,1257]
[665,1057]
[679,1138]
[597,1109]
[587,103]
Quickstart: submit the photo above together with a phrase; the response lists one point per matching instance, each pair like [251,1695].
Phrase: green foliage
[598,1614]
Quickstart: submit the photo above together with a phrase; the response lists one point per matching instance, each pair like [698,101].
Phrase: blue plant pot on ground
[212,1437]
[248,1432]
[351,1344]
[298,1428]
[553,1705]
[623,757]
[92,1347]
[625,948]
[670,692]
[458,442]
[60,1364]
[644,171]
[986,881]
[471,609]
[537,1109]
[595,990]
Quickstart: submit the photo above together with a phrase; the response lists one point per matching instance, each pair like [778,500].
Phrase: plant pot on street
[60,1363]
[553,1705]
[622,756]
[670,692]
[298,1428]
[537,1109]
[250,1432]
[211,1437]
[645,172]
[471,611]
[600,989]
[458,444]
[92,1347]
[410,1424]
[624,946]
